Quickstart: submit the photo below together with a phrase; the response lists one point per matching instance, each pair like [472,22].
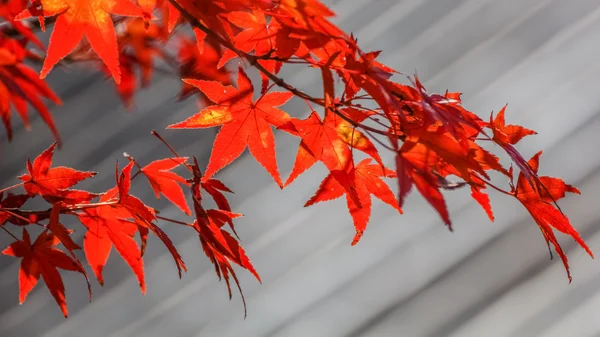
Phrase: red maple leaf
[328,141]
[107,227]
[42,259]
[413,168]
[11,201]
[143,215]
[215,189]
[258,36]
[166,182]
[221,248]
[20,85]
[200,65]
[45,181]
[244,123]
[541,205]
[507,134]
[366,181]
[79,18]
[139,43]
[218,245]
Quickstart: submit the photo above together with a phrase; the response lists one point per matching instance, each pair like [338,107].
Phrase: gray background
[408,276]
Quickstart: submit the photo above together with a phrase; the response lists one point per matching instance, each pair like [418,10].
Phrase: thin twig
[9,233]
[254,61]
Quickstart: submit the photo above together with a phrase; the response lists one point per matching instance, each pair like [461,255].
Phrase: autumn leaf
[483,200]
[141,214]
[199,64]
[215,189]
[128,85]
[20,85]
[328,141]
[79,18]
[43,180]
[219,246]
[244,123]
[107,228]
[367,181]
[166,182]
[213,240]
[540,204]
[10,200]
[506,137]
[42,259]
[139,44]
[508,134]
[413,167]
[257,35]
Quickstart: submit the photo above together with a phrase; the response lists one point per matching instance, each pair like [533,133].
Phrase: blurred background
[409,276]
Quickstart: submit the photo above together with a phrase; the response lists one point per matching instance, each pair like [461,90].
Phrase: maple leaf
[258,36]
[166,182]
[20,85]
[200,65]
[128,85]
[307,19]
[107,228]
[367,181]
[42,259]
[43,180]
[9,9]
[170,14]
[218,245]
[138,43]
[215,189]
[413,167]
[59,230]
[244,123]
[64,237]
[11,201]
[143,41]
[483,200]
[143,215]
[540,204]
[507,134]
[328,141]
[221,248]
[79,18]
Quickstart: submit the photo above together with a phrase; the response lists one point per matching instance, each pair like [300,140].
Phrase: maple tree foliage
[436,143]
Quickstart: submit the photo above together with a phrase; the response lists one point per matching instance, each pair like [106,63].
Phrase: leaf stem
[11,187]
[174,221]
[497,188]
[9,233]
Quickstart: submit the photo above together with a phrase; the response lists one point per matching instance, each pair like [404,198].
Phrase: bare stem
[174,221]
[9,233]
[11,187]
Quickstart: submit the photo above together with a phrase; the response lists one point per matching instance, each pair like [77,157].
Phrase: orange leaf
[43,180]
[540,204]
[367,181]
[166,182]
[244,123]
[79,18]
[42,259]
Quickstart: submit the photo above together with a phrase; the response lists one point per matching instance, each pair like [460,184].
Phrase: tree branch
[254,61]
